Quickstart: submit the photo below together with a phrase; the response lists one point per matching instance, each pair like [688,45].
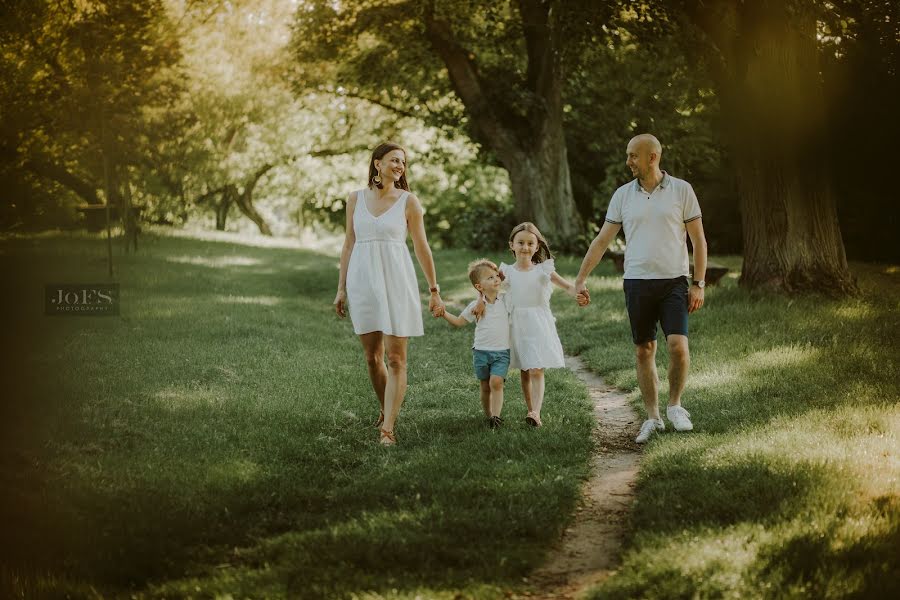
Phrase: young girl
[534,344]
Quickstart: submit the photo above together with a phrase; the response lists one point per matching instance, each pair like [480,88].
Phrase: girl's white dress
[381,280]
[534,343]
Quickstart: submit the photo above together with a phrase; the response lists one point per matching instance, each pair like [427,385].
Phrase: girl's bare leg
[526,389]
[537,390]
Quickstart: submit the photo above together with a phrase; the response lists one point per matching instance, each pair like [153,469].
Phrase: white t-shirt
[654,225]
[492,331]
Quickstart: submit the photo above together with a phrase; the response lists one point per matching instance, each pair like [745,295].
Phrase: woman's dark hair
[378,154]
[543,252]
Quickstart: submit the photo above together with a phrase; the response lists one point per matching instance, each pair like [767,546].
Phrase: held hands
[582,296]
[436,305]
[340,304]
[695,298]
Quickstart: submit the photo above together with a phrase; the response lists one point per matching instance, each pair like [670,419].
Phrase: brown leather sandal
[380,419]
[387,438]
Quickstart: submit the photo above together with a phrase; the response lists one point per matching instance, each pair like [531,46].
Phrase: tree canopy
[209,110]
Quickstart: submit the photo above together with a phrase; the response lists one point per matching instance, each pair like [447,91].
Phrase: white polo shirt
[654,225]
[492,331]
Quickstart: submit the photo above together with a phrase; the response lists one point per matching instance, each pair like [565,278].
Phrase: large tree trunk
[540,181]
[532,147]
[771,99]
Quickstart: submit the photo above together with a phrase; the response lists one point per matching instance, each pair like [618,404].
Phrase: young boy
[490,351]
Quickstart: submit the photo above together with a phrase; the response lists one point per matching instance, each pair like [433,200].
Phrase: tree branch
[62,176]
[381,103]
[539,45]
[468,85]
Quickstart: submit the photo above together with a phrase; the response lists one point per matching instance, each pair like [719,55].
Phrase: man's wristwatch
[436,289]
[699,283]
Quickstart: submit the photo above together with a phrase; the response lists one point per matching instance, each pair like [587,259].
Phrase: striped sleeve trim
[613,222]
[693,219]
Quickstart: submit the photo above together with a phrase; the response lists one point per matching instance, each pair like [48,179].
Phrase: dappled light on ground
[216,261]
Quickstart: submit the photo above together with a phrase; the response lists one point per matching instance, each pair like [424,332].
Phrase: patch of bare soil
[589,549]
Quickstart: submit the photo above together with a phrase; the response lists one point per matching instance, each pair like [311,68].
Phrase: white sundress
[534,343]
[381,280]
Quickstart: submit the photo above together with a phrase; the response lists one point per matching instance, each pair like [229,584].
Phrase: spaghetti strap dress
[381,280]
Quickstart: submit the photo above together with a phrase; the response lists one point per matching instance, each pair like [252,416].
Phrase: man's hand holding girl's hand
[582,296]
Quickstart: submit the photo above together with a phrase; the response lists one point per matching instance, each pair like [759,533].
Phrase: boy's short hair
[477,267]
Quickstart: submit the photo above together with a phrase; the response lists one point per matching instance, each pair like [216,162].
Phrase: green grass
[216,439]
[788,487]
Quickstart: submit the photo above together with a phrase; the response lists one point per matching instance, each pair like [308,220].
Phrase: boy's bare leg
[496,395]
[486,397]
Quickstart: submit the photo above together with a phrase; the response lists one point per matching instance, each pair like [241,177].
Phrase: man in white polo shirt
[656,210]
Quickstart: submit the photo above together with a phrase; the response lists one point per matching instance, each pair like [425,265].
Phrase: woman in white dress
[378,279]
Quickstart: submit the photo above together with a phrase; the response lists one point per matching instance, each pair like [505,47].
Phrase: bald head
[646,142]
[644,152]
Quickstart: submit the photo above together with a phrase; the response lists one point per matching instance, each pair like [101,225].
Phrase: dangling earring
[377,181]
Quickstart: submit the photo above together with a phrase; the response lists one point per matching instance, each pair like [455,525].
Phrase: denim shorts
[490,362]
[652,301]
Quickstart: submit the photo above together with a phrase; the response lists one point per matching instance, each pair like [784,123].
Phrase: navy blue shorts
[490,362]
[652,301]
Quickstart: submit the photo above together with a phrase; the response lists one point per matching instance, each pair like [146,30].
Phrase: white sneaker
[649,427]
[680,418]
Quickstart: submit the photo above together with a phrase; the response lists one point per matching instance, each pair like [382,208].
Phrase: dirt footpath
[590,546]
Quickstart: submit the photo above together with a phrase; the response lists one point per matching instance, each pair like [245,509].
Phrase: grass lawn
[788,486]
[215,439]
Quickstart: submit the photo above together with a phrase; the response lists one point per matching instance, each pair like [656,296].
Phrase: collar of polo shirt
[662,184]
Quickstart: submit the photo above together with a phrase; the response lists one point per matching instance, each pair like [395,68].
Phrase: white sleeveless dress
[381,280]
[534,343]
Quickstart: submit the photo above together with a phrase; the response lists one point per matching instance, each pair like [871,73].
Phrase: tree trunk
[245,203]
[540,179]
[129,217]
[531,147]
[223,205]
[771,99]
[245,199]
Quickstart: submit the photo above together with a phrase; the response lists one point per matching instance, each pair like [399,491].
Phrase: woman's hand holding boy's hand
[436,305]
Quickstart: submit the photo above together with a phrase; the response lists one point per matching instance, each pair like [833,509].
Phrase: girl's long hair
[378,154]
[543,252]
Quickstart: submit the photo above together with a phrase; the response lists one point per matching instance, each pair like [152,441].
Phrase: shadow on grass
[217,437]
[785,487]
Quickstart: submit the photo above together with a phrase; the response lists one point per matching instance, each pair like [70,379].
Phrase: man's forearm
[594,254]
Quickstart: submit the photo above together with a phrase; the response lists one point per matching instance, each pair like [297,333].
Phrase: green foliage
[77,80]
[620,87]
